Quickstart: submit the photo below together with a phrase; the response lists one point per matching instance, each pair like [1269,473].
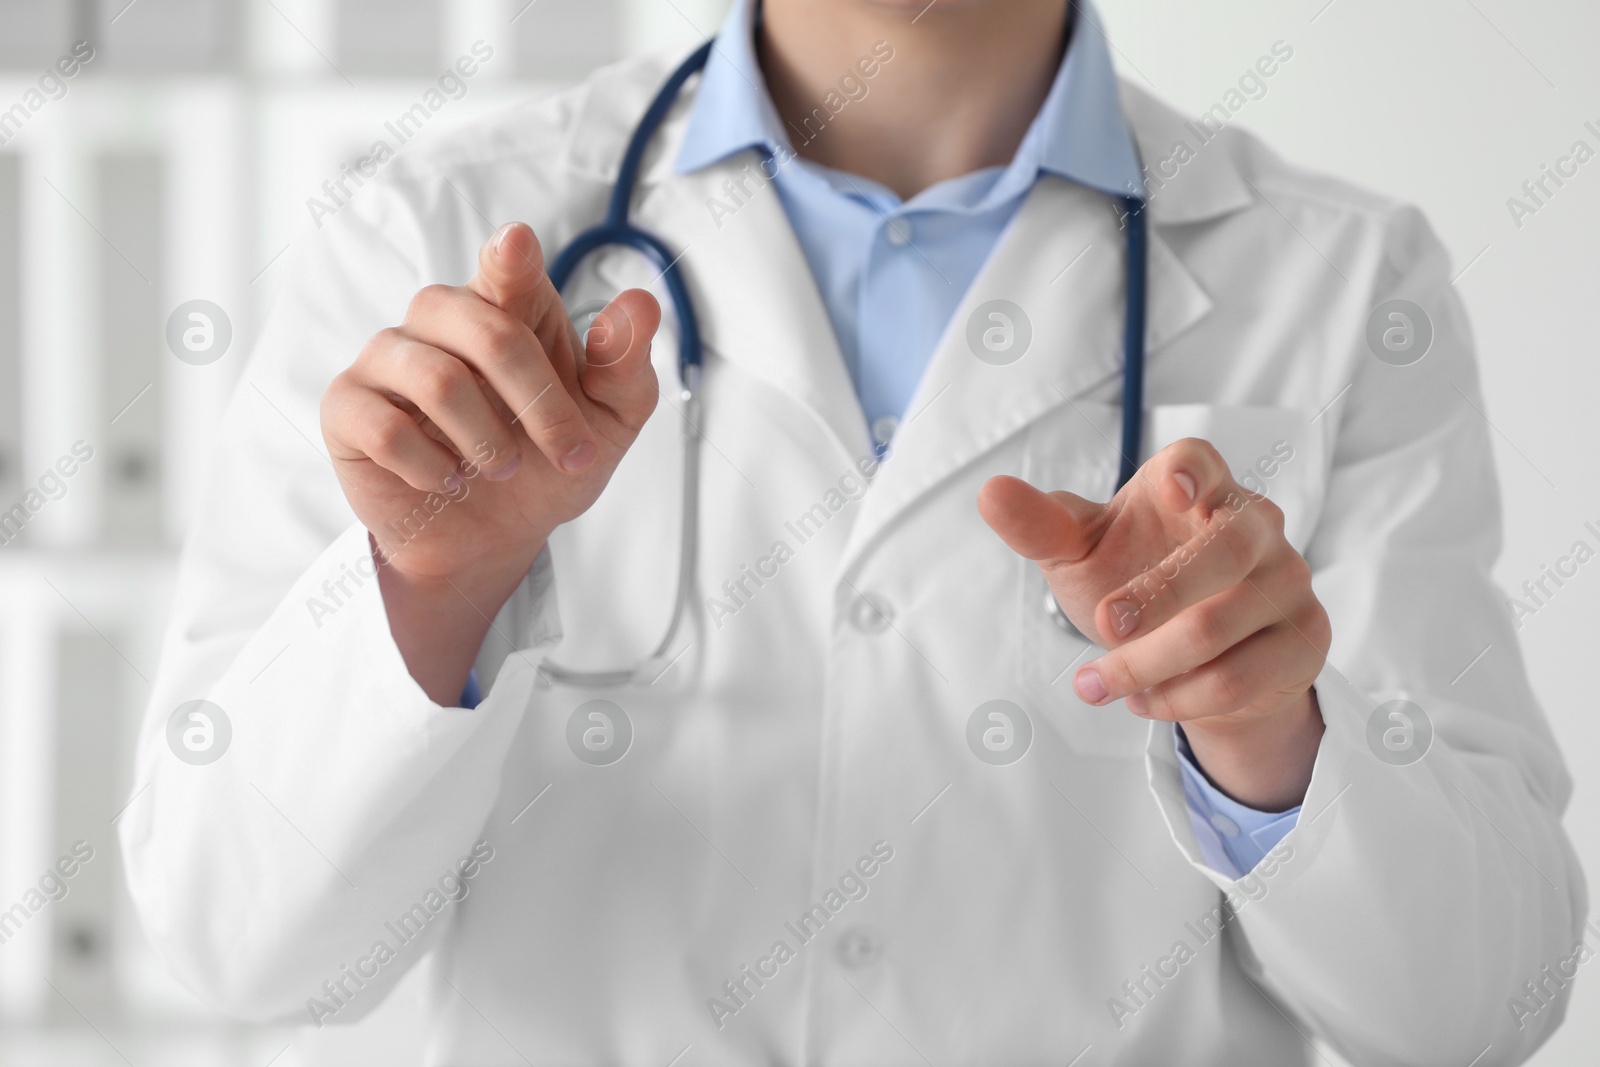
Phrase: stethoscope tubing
[615,230]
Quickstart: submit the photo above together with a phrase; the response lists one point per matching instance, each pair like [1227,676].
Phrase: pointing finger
[511,276]
[1041,526]
[510,268]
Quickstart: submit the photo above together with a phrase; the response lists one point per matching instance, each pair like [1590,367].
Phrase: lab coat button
[870,614]
[1224,825]
[883,429]
[897,232]
[859,948]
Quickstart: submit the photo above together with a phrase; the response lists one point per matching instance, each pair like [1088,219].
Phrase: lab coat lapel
[758,302]
[1061,264]
[1060,260]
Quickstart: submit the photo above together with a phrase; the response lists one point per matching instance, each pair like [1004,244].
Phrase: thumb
[1038,525]
[616,371]
[511,274]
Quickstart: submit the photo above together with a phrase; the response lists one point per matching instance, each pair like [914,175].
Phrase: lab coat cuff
[527,624]
[330,732]
[1303,831]
[328,646]
[1232,837]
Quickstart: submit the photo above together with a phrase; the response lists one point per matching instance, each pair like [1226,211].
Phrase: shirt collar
[1079,133]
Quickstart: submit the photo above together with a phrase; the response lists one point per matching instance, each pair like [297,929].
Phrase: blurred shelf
[176,1045]
[89,558]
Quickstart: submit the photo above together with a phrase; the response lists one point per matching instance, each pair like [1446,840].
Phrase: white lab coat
[793,737]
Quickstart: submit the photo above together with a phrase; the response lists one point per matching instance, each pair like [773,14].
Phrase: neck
[956,94]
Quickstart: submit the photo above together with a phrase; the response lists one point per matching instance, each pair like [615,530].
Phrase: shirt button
[898,232]
[1224,825]
[870,614]
[883,429]
[858,948]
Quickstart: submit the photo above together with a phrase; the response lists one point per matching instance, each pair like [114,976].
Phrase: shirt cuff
[1232,838]
[471,693]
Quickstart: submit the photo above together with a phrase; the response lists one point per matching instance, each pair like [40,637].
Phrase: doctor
[877,799]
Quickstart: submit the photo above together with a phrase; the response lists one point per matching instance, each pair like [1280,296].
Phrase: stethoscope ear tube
[1133,219]
[616,230]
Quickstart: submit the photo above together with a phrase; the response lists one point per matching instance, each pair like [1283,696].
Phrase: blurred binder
[89,718]
[132,331]
[389,37]
[563,40]
[35,33]
[166,36]
[10,331]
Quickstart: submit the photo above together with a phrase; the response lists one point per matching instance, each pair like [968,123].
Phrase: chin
[916,6]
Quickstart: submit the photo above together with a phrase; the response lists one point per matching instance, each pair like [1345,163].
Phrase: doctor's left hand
[1206,607]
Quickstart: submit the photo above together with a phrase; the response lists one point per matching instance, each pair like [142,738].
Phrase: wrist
[438,621]
[1264,762]
[486,582]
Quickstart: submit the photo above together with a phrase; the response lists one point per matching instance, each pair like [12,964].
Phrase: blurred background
[176,164]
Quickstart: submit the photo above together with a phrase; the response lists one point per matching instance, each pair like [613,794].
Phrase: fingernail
[1124,617]
[1137,704]
[1185,483]
[1089,686]
[501,235]
[452,483]
[578,458]
[599,335]
[507,471]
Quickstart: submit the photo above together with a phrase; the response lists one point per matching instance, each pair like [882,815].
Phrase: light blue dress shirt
[892,272]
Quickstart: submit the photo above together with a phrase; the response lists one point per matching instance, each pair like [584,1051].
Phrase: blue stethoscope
[615,230]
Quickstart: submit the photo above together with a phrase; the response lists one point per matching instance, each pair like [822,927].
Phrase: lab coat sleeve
[345,799]
[1402,916]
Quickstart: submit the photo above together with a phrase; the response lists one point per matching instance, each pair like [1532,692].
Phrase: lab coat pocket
[1071,448]
[1277,452]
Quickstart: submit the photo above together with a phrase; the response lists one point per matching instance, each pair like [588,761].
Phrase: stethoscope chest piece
[1052,608]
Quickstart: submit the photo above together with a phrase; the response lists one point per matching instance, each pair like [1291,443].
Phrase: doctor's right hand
[464,436]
